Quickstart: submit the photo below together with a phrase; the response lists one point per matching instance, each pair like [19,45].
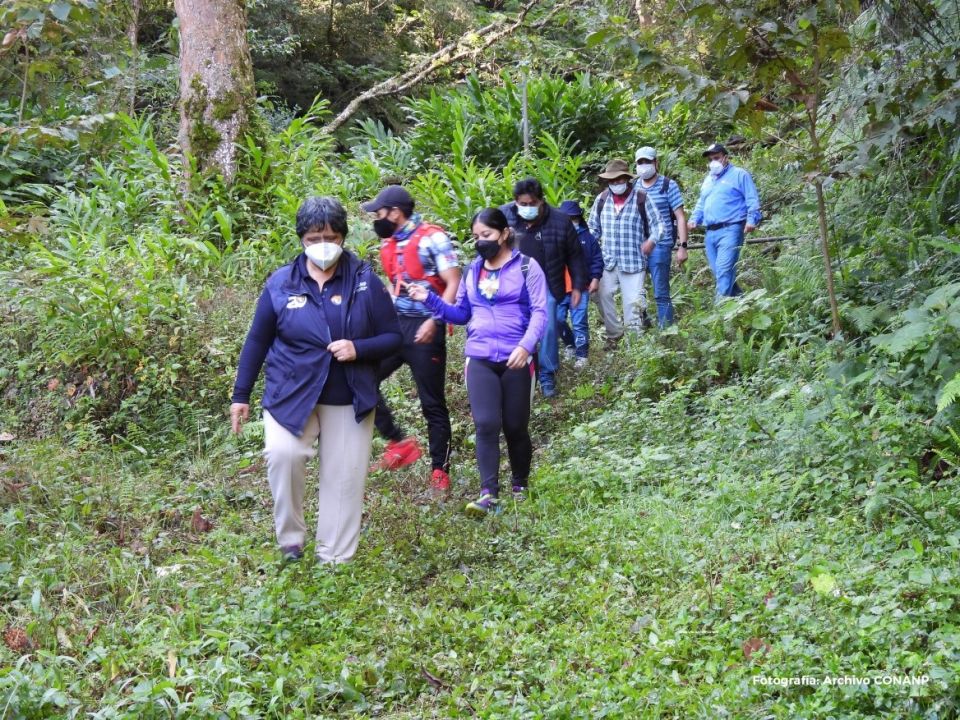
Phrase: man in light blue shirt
[728,207]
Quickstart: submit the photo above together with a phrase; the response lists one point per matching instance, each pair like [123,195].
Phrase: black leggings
[500,398]
[428,365]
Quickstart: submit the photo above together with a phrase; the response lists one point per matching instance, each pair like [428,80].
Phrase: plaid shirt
[621,232]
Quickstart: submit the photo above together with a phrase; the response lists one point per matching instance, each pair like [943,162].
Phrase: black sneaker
[291,553]
[645,322]
[519,492]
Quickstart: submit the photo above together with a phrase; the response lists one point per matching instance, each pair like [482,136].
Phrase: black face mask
[488,249]
[384,228]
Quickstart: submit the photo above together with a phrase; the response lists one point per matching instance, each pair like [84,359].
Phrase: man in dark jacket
[577,339]
[547,235]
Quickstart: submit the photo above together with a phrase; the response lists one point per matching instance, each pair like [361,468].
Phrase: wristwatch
[683,244]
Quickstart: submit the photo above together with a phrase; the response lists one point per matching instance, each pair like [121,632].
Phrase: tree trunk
[133,30]
[216,81]
[827,265]
[644,15]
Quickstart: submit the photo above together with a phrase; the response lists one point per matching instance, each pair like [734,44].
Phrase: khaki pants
[633,290]
[344,459]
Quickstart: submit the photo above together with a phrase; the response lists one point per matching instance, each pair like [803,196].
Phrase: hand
[749,227]
[426,331]
[681,256]
[575,296]
[691,225]
[239,414]
[415,292]
[518,358]
[648,247]
[593,286]
[343,350]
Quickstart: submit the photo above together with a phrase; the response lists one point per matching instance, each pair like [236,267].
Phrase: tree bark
[216,81]
[644,15]
[827,264]
[133,30]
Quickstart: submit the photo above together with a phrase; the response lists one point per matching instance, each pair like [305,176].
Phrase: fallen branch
[444,57]
[750,241]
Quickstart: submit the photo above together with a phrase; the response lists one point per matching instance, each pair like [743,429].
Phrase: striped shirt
[666,204]
[620,231]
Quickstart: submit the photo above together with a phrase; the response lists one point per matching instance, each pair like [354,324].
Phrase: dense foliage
[737,497]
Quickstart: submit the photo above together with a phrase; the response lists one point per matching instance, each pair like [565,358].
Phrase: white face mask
[618,188]
[646,171]
[715,167]
[528,212]
[323,254]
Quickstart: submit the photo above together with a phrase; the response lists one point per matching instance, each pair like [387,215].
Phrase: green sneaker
[486,504]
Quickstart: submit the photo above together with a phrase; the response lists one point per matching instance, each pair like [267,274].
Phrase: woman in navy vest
[503,303]
[322,325]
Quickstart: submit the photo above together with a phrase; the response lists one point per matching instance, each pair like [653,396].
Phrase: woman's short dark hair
[528,186]
[316,213]
[493,217]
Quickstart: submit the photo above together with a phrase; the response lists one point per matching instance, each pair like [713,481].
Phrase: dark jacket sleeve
[575,261]
[594,256]
[263,330]
[385,337]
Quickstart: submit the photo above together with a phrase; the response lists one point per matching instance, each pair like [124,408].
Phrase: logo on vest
[296,301]
[361,286]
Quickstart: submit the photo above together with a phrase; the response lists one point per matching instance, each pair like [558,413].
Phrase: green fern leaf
[949,393]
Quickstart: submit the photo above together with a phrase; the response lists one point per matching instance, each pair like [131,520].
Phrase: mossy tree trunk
[216,81]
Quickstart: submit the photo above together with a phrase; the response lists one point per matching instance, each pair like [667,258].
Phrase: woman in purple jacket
[503,303]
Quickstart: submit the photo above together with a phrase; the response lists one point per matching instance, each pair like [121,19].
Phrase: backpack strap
[525,293]
[603,200]
[524,266]
[641,207]
[673,218]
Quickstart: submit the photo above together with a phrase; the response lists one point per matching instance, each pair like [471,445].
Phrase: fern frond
[949,393]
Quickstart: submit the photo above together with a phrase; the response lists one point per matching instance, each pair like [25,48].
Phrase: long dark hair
[494,218]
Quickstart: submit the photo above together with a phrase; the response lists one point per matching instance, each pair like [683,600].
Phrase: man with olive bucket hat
[623,218]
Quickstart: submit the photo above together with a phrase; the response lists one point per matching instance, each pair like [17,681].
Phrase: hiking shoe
[645,322]
[611,343]
[399,453]
[486,504]
[291,553]
[580,363]
[547,385]
[519,492]
[440,482]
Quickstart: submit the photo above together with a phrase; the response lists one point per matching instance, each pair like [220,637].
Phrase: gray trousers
[344,460]
[633,289]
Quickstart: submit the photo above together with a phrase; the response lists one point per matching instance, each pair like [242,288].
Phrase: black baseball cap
[391,196]
[715,148]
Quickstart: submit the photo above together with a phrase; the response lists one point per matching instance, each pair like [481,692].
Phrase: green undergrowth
[681,544]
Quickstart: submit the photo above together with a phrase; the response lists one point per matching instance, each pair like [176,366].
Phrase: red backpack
[409,264]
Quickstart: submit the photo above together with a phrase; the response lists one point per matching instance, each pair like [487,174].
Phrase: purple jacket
[516,316]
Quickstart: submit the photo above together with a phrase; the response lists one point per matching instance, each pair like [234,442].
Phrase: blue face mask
[528,212]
